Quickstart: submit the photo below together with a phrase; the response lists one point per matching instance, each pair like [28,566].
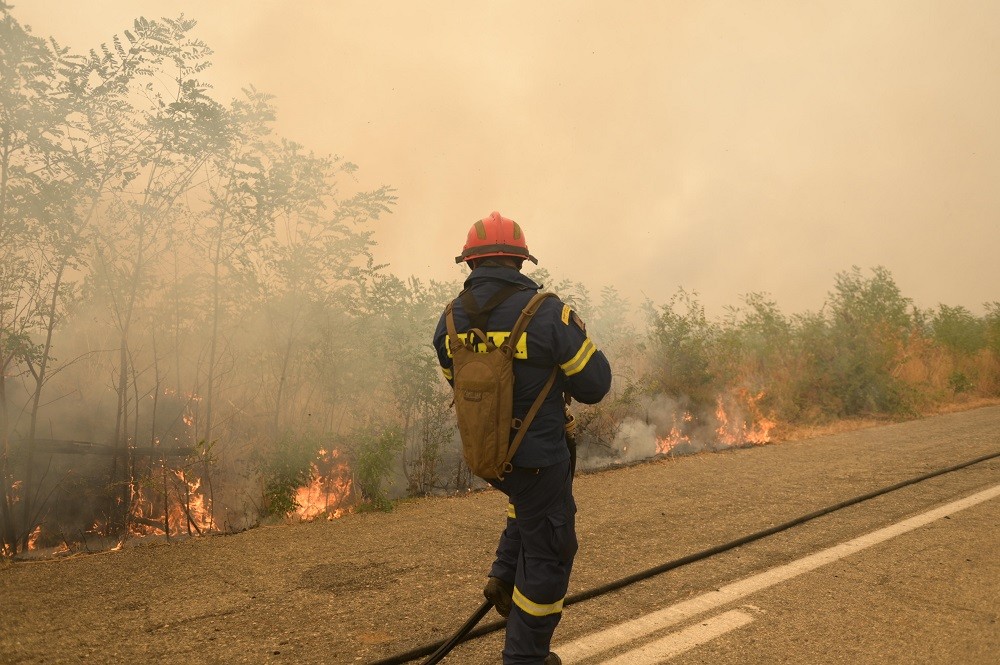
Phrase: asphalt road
[930,594]
[370,585]
[921,590]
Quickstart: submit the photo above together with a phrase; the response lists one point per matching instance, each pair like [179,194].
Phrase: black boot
[552,659]
[499,593]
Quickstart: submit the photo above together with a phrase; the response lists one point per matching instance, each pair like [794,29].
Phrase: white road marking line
[683,640]
[599,642]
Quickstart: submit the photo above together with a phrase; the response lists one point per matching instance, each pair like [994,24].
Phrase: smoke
[636,440]
[674,427]
[792,141]
[641,438]
[716,149]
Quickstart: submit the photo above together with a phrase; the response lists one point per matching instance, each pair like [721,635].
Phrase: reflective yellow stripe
[510,511]
[580,360]
[498,337]
[447,373]
[536,609]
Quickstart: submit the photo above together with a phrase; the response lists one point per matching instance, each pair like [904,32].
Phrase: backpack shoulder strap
[449,321]
[525,318]
[479,316]
[526,423]
[511,342]
[454,341]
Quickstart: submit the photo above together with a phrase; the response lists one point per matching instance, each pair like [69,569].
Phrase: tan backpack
[484,394]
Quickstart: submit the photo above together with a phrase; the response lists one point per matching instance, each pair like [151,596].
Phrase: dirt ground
[369,585]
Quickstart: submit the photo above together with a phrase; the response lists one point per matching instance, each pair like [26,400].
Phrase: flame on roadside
[15,496]
[187,508]
[754,428]
[197,505]
[189,511]
[33,538]
[675,437]
[327,491]
[739,421]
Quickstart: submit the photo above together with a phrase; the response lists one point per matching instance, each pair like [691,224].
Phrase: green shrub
[681,340]
[959,382]
[991,325]
[377,450]
[869,323]
[957,329]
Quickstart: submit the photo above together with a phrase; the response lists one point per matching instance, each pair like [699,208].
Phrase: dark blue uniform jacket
[554,337]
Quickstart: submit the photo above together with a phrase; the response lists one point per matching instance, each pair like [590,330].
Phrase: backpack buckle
[516,423]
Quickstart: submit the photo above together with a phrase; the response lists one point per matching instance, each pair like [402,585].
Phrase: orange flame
[33,538]
[326,491]
[197,506]
[675,438]
[732,429]
[186,504]
[738,431]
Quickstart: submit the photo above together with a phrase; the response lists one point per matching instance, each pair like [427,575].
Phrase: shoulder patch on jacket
[579,322]
[565,315]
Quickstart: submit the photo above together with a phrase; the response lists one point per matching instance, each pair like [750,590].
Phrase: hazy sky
[726,147]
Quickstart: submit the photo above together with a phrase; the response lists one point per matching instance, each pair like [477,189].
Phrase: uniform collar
[500,274]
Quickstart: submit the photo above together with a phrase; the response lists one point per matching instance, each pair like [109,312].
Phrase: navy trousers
[535,554]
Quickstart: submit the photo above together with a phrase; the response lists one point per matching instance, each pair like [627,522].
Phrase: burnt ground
[371,584]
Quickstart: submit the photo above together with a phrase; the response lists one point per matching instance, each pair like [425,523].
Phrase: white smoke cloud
[636,440]
[637,437]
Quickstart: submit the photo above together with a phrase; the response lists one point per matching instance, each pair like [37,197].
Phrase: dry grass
[801,432]
[966,404]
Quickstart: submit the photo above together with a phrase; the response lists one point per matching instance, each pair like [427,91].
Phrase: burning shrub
[327,489]
[285,468]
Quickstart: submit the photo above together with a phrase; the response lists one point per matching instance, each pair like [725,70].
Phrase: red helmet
[495,236]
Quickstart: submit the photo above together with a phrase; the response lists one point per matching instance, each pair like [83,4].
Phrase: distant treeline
[175,276]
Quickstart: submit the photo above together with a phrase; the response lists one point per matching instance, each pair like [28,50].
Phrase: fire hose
[439,650]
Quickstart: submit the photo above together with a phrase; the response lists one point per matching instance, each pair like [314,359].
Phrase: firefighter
[529,577]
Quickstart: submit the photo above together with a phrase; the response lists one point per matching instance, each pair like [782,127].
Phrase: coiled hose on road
[440,649]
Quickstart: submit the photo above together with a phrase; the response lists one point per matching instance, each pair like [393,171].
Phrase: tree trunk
[213,341]
[4,179]
[154,441]
[283,378]
[8,530]
[117,478]
[28,493]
